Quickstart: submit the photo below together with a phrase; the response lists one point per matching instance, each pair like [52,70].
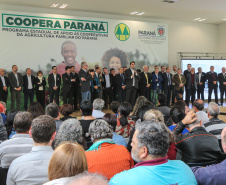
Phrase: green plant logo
[122,32]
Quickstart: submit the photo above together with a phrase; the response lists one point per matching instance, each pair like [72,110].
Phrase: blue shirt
[119,140]
[170,173]
[3,117]
[173,126]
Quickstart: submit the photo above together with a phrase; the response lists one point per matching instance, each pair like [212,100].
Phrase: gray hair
[100,129]
[154,115]
[3,103]
[70,130]
[145,66]
[83,63]
[22,121]
[154,136]
[52,110]
[199,69]
[195,122]
[87,178]
[213,109]
[98,104]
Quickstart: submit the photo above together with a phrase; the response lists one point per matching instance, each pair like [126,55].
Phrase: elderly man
[222,80]
[201,83]
[214,174]
[150,144]
[98,105]
[179,81]
[193,145]
[198,108]
[167,84]
[191,86]
[212,84]
[4,84]
[156,84]
[145,83]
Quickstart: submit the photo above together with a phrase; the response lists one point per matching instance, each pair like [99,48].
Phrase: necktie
[180,79]
[169,82]
[213,76]
[146,77]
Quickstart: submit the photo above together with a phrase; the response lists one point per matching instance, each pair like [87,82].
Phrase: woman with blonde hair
[68,160]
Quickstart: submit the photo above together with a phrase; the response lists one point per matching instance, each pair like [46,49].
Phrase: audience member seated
[3,112]
[198,108]
[88,179]
[3,133]
[68,160]
[111,119]
[66,110]
[104,156]
[176,115]
[178,97]
[165,110]
[213,174]
[98,105]
[124,124]
[36,109]
[32,168]
[114,107]
[198,146]
[71,131]
[20,144]
[149,149]
[9,123]
[53,110]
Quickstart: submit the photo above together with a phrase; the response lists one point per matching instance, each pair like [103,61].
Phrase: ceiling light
[63,6]
[199,19]
[141,13]
[54,5]
[223,19]
[133,13]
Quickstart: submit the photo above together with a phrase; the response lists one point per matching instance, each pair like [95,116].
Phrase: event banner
[40,41]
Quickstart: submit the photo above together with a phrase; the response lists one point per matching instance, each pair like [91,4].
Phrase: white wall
[183,36]
[222,38]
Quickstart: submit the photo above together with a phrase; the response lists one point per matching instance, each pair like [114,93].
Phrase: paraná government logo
[122,32]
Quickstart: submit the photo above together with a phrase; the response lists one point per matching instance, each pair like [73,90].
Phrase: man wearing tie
[145,83]
[222,80]
[201,83]
[28,87]
[212,84]
[120,86]
[191,85]
[156,84]
[179,81]
[76,89]
[173,84]
[101,79]
[54,81]
[167,84]
[67,90]
[4,84]
[16,83]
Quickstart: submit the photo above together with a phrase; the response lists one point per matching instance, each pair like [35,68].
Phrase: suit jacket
[6,83]
[13,81]
[51,81]
[85,85]
[166,80]
[42,84]
[186,72]
[118,80]
[177,82]
[112,80]
[25,83]
[209,77]
[129,80]
[143,80]
[67,83]
[188,81]
[154,82]
[221,79]
[203,80]
[97,83]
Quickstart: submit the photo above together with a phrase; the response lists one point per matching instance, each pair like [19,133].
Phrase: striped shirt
[215,127]
[17,146]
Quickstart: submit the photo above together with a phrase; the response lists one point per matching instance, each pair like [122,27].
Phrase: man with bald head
[222,80]
[214,174]
[4,84]
[198,108]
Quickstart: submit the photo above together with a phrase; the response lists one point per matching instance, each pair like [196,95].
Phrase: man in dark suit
[98,74]
[167,84]
[156,84]
[212,84]
[108,85]
[120,86]
[16,83]
[85,78]
[145,83]
[67,90]
[163,70]
[201,83]
[179,81]
[187,71]
[76,89]
[131,77]
[222,80]
[4,84]
[54,81]
[28,87]
[191,85]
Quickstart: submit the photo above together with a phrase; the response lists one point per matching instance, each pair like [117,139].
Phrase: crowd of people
[146,143]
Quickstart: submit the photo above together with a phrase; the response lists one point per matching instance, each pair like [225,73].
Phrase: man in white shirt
[173,84]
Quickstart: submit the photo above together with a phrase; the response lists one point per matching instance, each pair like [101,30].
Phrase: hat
[1,108]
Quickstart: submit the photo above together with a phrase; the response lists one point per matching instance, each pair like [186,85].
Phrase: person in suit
[191,81]
[108,85]
[145,83]
[120,86]
[163,70]
[28,87]
[16,83]
[156,84]
[173,84]
[95,83]
[153,72]
[85,78]
[112,72]
[201,83]
[4,84]
[76,89]
[167,84]
[54,81]
[179,81]
[131,77]
[40,84]
[67,90]
[187,71]
[98,74]
[222,80]
[212,84]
